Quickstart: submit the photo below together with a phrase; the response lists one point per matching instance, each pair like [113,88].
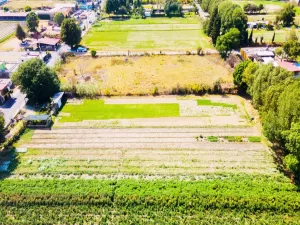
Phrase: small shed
[50,44]
[57,100]
[38,121]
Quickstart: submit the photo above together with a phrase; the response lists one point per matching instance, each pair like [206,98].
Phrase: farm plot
[6,30]
[148,34]
[144,151]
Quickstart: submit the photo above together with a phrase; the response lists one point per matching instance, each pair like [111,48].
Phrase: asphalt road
[13,106]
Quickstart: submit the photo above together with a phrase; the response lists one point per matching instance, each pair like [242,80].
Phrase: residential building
[13,16]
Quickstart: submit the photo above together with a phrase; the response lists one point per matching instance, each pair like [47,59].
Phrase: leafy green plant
[212,138]
[254,139]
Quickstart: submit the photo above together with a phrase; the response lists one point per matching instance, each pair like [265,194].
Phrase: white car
[81,49]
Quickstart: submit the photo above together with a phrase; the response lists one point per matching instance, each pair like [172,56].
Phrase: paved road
[202,14]
[13,106]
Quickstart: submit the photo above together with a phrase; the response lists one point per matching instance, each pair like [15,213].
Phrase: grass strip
[205,102]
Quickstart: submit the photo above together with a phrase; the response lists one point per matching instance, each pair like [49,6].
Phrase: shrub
[254,139]
[155,91]
[212,139]
[93,53]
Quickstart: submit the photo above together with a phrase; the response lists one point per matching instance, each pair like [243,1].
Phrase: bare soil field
[141,75]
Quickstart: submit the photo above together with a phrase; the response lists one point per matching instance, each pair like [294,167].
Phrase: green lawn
[280,35]
[204,102]
[269,17]
[148,34]
[97,110]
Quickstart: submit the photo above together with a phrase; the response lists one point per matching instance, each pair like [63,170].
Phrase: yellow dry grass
[140,75]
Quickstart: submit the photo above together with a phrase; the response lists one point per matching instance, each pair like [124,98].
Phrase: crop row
[83,214]
[244,194]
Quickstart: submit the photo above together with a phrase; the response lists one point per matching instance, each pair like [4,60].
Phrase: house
[258,53]
[5,85]
[13,16]
[66,9]
[290,66]
[48,44]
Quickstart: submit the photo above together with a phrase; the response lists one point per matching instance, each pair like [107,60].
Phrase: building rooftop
[48,41]
[289,66]
[13,14]
[4,83]
[41,117]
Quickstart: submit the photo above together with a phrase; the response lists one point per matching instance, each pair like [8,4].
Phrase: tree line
[227,25]
[275,93]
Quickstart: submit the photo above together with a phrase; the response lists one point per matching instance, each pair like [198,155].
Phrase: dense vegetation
[224,15]
[263,199]
[36,80]
[275,93]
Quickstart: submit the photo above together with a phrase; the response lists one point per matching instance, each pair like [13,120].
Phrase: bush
[212,139]
[155,91]
[254,139]
[93,53]
[292,163]
[27,9]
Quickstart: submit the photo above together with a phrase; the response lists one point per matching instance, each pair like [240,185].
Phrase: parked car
[81,49]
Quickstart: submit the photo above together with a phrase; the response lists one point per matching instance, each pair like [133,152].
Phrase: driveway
[13,106]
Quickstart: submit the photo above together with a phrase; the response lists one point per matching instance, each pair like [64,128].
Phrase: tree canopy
[173,8]
[36,80]
[70,32]
[275,93]
[58,18]
[286,15]
[27,9]
[32,21]
[228,41]
[20,33]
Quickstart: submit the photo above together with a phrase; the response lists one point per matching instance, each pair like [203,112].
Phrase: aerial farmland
[146,120]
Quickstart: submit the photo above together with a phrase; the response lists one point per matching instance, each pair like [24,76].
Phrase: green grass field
[148,34]
[97,110]
[280,35]
[204,102]
[270,6]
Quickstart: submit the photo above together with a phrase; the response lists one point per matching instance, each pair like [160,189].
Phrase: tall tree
[70,32]
[32,21]
[250,40]
[215,32]
[2,128]
[212,18]
[292,49]
[273,38]
[20,33]
[36,80]
[58,18]
[287,15]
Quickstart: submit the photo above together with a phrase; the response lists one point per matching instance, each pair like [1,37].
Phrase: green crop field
[148,34]
[97,110]
[171,173]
